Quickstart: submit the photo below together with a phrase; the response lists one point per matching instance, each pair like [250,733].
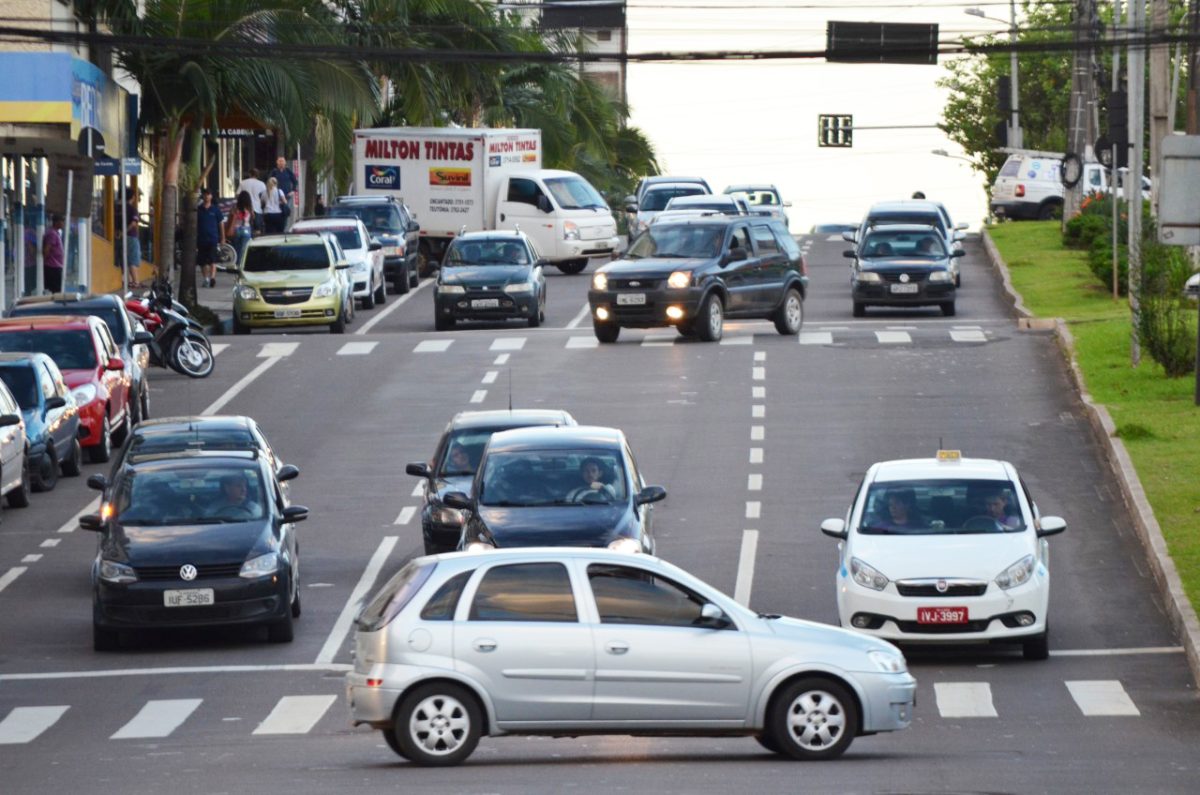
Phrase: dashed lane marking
[583,342]
[756,455]
[1101,697]
[10,576]
[964,699]
[502,359]
[893,337]
[357,348]
[270,350]
[295,714]
[479,395]
[754,482]
[406,514]
[490,376]
[157,719]
[745,571]
[740,340]
[816,338]
[433,346]
[26,723]
[968,335]
[508,343]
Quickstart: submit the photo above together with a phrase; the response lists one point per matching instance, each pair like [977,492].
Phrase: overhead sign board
[881,42]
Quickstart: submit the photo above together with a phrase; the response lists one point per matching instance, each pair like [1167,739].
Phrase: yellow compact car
[292,280]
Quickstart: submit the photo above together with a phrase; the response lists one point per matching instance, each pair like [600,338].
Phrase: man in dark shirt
[210,233]
[286,181]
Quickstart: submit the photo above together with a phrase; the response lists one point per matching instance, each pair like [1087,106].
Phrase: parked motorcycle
[179,341]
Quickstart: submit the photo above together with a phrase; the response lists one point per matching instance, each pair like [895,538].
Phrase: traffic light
[1001,132]
[1118,118]
[1004,95]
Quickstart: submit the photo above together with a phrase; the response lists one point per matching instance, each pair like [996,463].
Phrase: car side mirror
[712,617]
[787,204]
[456,499]
[961,225]
[97,482]
[142,337]
[10,419]
[542,263]
[342,265]
[543,203]
[413,226]
[374,245]
[56,402]
[1051,526]
[736,255]
[114,364]
[295,513]
[628,200]
[650,494]
[958,253]
[834,528]
[287,472]
[420,470]
[849,255]
[91,521]
[631,208]
[849,237]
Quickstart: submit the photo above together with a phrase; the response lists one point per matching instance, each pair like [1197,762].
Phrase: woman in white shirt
[274,205]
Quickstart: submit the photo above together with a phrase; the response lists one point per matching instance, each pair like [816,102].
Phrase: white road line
[758,392]
[651,341]
[245,381]
[758,411]
[11,575]
[835,239]
[508,344]
[893,337]
[370,324]
[50,542]
[337,635]
[490,376]
[31,558]
[964,699]
[26,723]
[479,395]
[757,432]
[72,524]
[406,515]
[502,359]
[432,346]
[419,489]
[356,348]
[740,340]
[217,347]
[754,483]
[753,509]
[583,342]
[575,321]
[1117,652]
[816,338]
[157,719]
[272,350]
[968,335]
[760,356]
[745,569]
[758,373]
[181,670]
[901,328]
[295,715]
[1101,697]
[967,327]
[756,455]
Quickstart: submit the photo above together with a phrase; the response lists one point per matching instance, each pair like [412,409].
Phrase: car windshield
[553,478]
[765,198]
[306,257]
[187,494]
[486,251]
[378,220]
[887,243]
[70,350]
[574,193]
[941,507]
[656,199]
[463,451]
[677,240]
[19,380]
[106,313]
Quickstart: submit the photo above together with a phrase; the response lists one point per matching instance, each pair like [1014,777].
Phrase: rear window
[70,350]
[1011,167]
[107,314]
[656,199]
[198,439]
[19,380]
[383,219]
[394,595]
[312,257]
[444,602]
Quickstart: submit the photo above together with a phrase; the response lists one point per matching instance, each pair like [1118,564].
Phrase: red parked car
[91,364]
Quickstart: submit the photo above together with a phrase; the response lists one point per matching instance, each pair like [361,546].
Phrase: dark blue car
[51,416]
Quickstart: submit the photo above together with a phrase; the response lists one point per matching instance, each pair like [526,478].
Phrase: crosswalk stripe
[356,348]
[508,344]
[295,715]
[271,350]
[432,346]
[158,718]
[816,338]
[968,335]
[583,342]
[657,341]
[834,239]
[1102,697]
[964,699]
[217,347]
[893,337]
[740,340]
[26,723]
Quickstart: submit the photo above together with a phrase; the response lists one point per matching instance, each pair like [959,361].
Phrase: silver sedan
[563,642]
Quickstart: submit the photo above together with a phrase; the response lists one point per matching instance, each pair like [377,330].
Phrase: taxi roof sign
[949,455]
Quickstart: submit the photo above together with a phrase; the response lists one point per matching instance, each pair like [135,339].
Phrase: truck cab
[566,217]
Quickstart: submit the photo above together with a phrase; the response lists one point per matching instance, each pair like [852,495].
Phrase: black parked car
[194,539]
[575,486]
[903,266]
[693,273]
[131,339]
[392,224]
[490,276]
[455,461]
[51,416]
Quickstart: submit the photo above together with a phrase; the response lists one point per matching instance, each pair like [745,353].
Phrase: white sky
[757,121]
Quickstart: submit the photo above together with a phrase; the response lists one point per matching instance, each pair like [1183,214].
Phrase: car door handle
[501,217]
[616,647]
[484,645]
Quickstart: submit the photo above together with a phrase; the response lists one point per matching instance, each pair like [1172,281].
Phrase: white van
[1029,185]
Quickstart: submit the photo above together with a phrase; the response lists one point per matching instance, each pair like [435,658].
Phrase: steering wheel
[987,524]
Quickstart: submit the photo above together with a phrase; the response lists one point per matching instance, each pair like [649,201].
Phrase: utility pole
[1080,130]
[1133,178]
[1116,160]
[1016,137]
[1160,96]
[1193,60]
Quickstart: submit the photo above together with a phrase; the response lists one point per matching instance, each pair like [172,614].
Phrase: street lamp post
[1015,137]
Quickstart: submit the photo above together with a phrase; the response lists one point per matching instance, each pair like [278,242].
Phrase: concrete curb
[1166,577]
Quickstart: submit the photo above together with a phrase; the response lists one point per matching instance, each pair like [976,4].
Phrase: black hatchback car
[902,266]
[194,539]
[575,487]
[393,224]
[695,272]
[490,276]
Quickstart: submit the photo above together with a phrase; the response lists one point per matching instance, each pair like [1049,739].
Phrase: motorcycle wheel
[192,357]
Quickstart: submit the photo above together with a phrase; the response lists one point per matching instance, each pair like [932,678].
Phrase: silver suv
[566,641]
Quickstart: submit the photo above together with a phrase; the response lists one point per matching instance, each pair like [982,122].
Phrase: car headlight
[625,544]
[600,281]
[869,277]
[444,515]
[679,280]
[867,576]
[889,662]
[111,571]
[523,287]
[941,276]
[246,293]
[260,566]
[325,289]
[451,288]
[84,393]
[362,267]
[1016,574]
[570,230]
[480,546]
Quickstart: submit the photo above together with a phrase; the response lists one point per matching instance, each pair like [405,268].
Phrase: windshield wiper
[769,615]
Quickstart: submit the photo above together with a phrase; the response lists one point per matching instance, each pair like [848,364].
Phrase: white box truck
[460,179]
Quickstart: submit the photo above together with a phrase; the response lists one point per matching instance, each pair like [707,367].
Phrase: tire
[401,285]
[191,357]
[119,436]
[100,453]
[368,300]
[606,332]
[441,323]
[72,465]
[768,742]
[281,630]
[790,316]
[414,275]
[572,266]
[144,400]
[958,279]
[389,737]
[948,309]
[105,639]
[812,719]
[1037,647]
[19,497]
[339,326]
[1048,211]
[686,329]
[442,715]
[536,319]
[860,309]
[238,328]
[381,292]
[296,606]
[46,478]
[710,323]
[135,409]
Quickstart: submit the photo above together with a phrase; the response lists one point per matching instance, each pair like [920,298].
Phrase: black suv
[695,272]
[393,224]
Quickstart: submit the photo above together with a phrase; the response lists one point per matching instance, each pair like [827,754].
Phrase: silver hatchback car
[564,642]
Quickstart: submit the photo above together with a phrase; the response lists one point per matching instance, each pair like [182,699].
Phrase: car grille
[597,232]
[289,295]
[943,629]
[894,276]
[952,589]
[203,572]
[634,284]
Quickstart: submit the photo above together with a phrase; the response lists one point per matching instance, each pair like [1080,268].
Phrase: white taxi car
[945,550]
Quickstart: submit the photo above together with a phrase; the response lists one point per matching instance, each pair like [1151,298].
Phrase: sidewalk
[219,299]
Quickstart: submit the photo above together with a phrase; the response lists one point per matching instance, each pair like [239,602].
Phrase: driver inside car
[591,471]
[235,499]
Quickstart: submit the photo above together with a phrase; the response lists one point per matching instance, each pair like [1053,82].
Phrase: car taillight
[1020,191]
[803,266]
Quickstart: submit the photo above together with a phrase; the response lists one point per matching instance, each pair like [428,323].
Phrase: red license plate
[941,615]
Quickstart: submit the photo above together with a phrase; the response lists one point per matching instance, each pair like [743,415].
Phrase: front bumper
[236,601]
[574,249]
[653,312]
[880,294]
[465,306]
[888,701]
[261,314]
[362,283]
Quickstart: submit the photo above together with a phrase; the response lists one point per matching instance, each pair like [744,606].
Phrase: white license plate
[189,597]
[631,299]
[905,288]
[942,615]
[485,303]
[287,313]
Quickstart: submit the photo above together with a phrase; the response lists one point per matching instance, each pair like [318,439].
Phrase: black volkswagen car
[490,276]
[575,486]
[194,539]
[455,461]
[902,266]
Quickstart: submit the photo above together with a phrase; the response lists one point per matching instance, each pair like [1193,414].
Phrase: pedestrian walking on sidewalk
[240,226]
[274,202]
[255,187]
[210,234]
[53,257]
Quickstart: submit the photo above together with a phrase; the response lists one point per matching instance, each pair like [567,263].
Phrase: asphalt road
[1113,709]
